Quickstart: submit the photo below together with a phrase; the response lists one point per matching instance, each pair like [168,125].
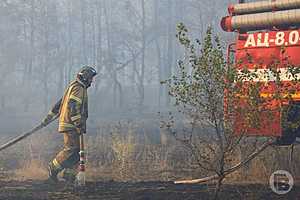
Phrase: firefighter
[72,110]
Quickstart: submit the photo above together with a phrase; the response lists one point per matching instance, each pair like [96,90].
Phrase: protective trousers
[68,157]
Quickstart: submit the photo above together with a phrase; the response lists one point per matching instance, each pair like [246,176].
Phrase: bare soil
[39,190]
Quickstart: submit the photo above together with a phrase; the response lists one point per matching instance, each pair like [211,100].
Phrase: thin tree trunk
[32,37]
[83,31]
[158,50]
[218,187]
[58,61]
[109,62]
[46,58]
[99,44]
[70,43]
[142,76]
[170,41]
[94,35]
[31,53]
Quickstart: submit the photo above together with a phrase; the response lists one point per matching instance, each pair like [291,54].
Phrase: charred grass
[129,160]
[37,190]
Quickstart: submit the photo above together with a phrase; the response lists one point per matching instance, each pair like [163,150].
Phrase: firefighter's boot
[53,169]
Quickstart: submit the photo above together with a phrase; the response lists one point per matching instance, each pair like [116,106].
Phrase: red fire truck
[268,31]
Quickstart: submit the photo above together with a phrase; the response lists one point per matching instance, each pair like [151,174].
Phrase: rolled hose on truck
[262,6]
[258,21]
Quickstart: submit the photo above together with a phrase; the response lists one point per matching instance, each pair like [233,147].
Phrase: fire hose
[25,135]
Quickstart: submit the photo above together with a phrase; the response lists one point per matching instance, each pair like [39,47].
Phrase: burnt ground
[38,190]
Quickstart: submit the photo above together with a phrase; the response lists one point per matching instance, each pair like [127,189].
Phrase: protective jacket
[72,108]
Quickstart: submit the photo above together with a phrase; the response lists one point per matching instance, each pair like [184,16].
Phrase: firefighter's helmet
[86,74]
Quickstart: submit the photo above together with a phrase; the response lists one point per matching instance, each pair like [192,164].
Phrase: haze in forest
[132,43]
